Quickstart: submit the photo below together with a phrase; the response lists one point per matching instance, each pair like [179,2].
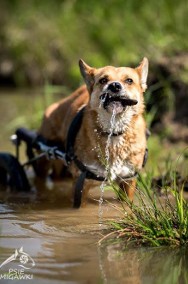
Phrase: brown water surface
[64,245]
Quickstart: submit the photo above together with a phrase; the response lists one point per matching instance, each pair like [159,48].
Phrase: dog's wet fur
[108,90]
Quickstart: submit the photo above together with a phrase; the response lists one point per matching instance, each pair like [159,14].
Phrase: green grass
[46,38]
[152,219]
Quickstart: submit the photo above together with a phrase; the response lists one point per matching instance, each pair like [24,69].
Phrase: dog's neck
[114,124]
[105,124]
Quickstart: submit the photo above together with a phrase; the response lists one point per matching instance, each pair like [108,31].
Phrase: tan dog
[111,94]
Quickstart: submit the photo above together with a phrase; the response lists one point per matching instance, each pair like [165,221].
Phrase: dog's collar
[106,133]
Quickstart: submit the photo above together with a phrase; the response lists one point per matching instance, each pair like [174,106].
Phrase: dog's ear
[88,74]
[143,72]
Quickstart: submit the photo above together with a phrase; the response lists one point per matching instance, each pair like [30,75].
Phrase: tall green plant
[153,220]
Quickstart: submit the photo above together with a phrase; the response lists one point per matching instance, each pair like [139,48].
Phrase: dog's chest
[116,157]
[119,161]
[121,169]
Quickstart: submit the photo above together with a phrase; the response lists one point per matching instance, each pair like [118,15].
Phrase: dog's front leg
[127,187]
[86,188]
[80,191]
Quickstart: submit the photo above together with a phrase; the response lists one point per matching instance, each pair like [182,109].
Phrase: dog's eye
[103,81]
[129,81]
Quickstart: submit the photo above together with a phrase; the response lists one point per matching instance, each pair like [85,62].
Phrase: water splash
[107,152]
[101,199]
[107,164]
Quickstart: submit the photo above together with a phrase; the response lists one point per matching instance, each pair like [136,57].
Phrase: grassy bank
[44,39]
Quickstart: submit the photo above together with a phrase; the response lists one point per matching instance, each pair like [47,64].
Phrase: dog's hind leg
[59,170]
[42,167]
[55,169]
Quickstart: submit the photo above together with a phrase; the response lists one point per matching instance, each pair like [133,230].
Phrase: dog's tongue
[115,106]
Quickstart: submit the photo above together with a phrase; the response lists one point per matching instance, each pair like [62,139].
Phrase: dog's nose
[114,87]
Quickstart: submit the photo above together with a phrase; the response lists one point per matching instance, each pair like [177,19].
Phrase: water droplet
[107,163]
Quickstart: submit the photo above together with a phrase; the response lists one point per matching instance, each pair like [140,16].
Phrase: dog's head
[119,90]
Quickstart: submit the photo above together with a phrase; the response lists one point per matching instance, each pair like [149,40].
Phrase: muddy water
[63,242]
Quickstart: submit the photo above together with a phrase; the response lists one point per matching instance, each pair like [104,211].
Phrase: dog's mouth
[116,103]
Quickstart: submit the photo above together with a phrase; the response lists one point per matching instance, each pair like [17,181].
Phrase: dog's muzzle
[116,102]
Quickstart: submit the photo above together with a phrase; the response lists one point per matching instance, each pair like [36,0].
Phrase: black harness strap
[72,133]
[145,158]
[70,156]
[78,190]
[83,168]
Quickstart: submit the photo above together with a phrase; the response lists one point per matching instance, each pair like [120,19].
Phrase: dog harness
[85,172]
